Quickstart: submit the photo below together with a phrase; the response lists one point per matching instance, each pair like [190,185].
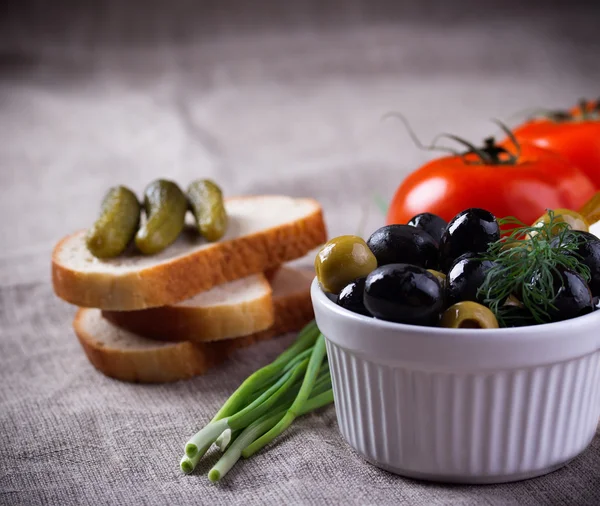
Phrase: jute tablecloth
[267,99]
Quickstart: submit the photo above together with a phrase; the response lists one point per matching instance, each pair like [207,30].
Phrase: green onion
[257,408]
[224,439]
[319,401]
[266,403]
[309,380]
[258,428]
[234,452]
[306,339]
[206,436]
[297,359]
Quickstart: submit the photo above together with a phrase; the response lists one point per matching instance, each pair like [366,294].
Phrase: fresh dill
[526,263]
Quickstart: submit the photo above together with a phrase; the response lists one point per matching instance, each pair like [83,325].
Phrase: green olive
[468,315]
[117,224]
[591,209]
[206,202]
[341,261]
[165,206]
[575,220]
[441,277]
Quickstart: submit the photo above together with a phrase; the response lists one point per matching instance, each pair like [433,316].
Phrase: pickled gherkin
[117,224]
[206,202]
[165,206]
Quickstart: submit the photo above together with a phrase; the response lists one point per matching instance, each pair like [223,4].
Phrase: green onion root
[205,436]
[223,440]
[188,464]
[234,452]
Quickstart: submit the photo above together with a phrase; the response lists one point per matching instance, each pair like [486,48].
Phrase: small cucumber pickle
[341,261]
[165,206]
[117,224]
[206,202]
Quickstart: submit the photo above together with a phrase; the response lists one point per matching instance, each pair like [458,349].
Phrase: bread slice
[263,232]
[126,356]
[234,309]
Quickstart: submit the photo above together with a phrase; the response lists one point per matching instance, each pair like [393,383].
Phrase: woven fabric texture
[268,99]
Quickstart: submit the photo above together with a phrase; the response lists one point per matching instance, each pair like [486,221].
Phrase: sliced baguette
[234,309]
[126,356]
[263,232]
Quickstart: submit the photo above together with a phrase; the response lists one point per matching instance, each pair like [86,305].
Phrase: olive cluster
[429,272]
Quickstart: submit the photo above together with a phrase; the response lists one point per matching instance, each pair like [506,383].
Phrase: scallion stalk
[316,402]
[267,374]
[317,356]
[234,452]
[205,436]
[265,404]
[260,406]
[224,439]
[258,428]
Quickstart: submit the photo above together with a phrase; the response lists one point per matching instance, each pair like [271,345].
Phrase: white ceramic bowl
[468,405]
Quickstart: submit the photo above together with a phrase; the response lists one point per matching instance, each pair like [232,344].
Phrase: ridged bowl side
[466,427]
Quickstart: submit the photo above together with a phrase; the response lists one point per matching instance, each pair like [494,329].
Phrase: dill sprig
[526,263]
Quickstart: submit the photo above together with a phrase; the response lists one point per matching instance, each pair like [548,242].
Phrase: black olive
[403,244]
[469,231]
[595,302]
[572,297]
[465,277]
[431,223]
[351,297]
[588,251]
[404,293]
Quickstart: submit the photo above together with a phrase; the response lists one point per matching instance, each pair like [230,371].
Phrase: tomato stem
[415,139]
[585,111]
[583,106]
[488,155]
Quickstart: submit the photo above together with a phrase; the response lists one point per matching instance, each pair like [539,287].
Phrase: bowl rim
[384,324]
[441,349]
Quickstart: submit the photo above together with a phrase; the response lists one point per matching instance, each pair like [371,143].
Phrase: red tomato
[575,135]
[589,108]
[538,180]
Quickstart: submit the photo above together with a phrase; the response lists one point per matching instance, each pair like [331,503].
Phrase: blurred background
[263,96]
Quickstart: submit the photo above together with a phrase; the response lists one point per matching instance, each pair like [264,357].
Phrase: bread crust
[169,362]
[174,280]
[201,323]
